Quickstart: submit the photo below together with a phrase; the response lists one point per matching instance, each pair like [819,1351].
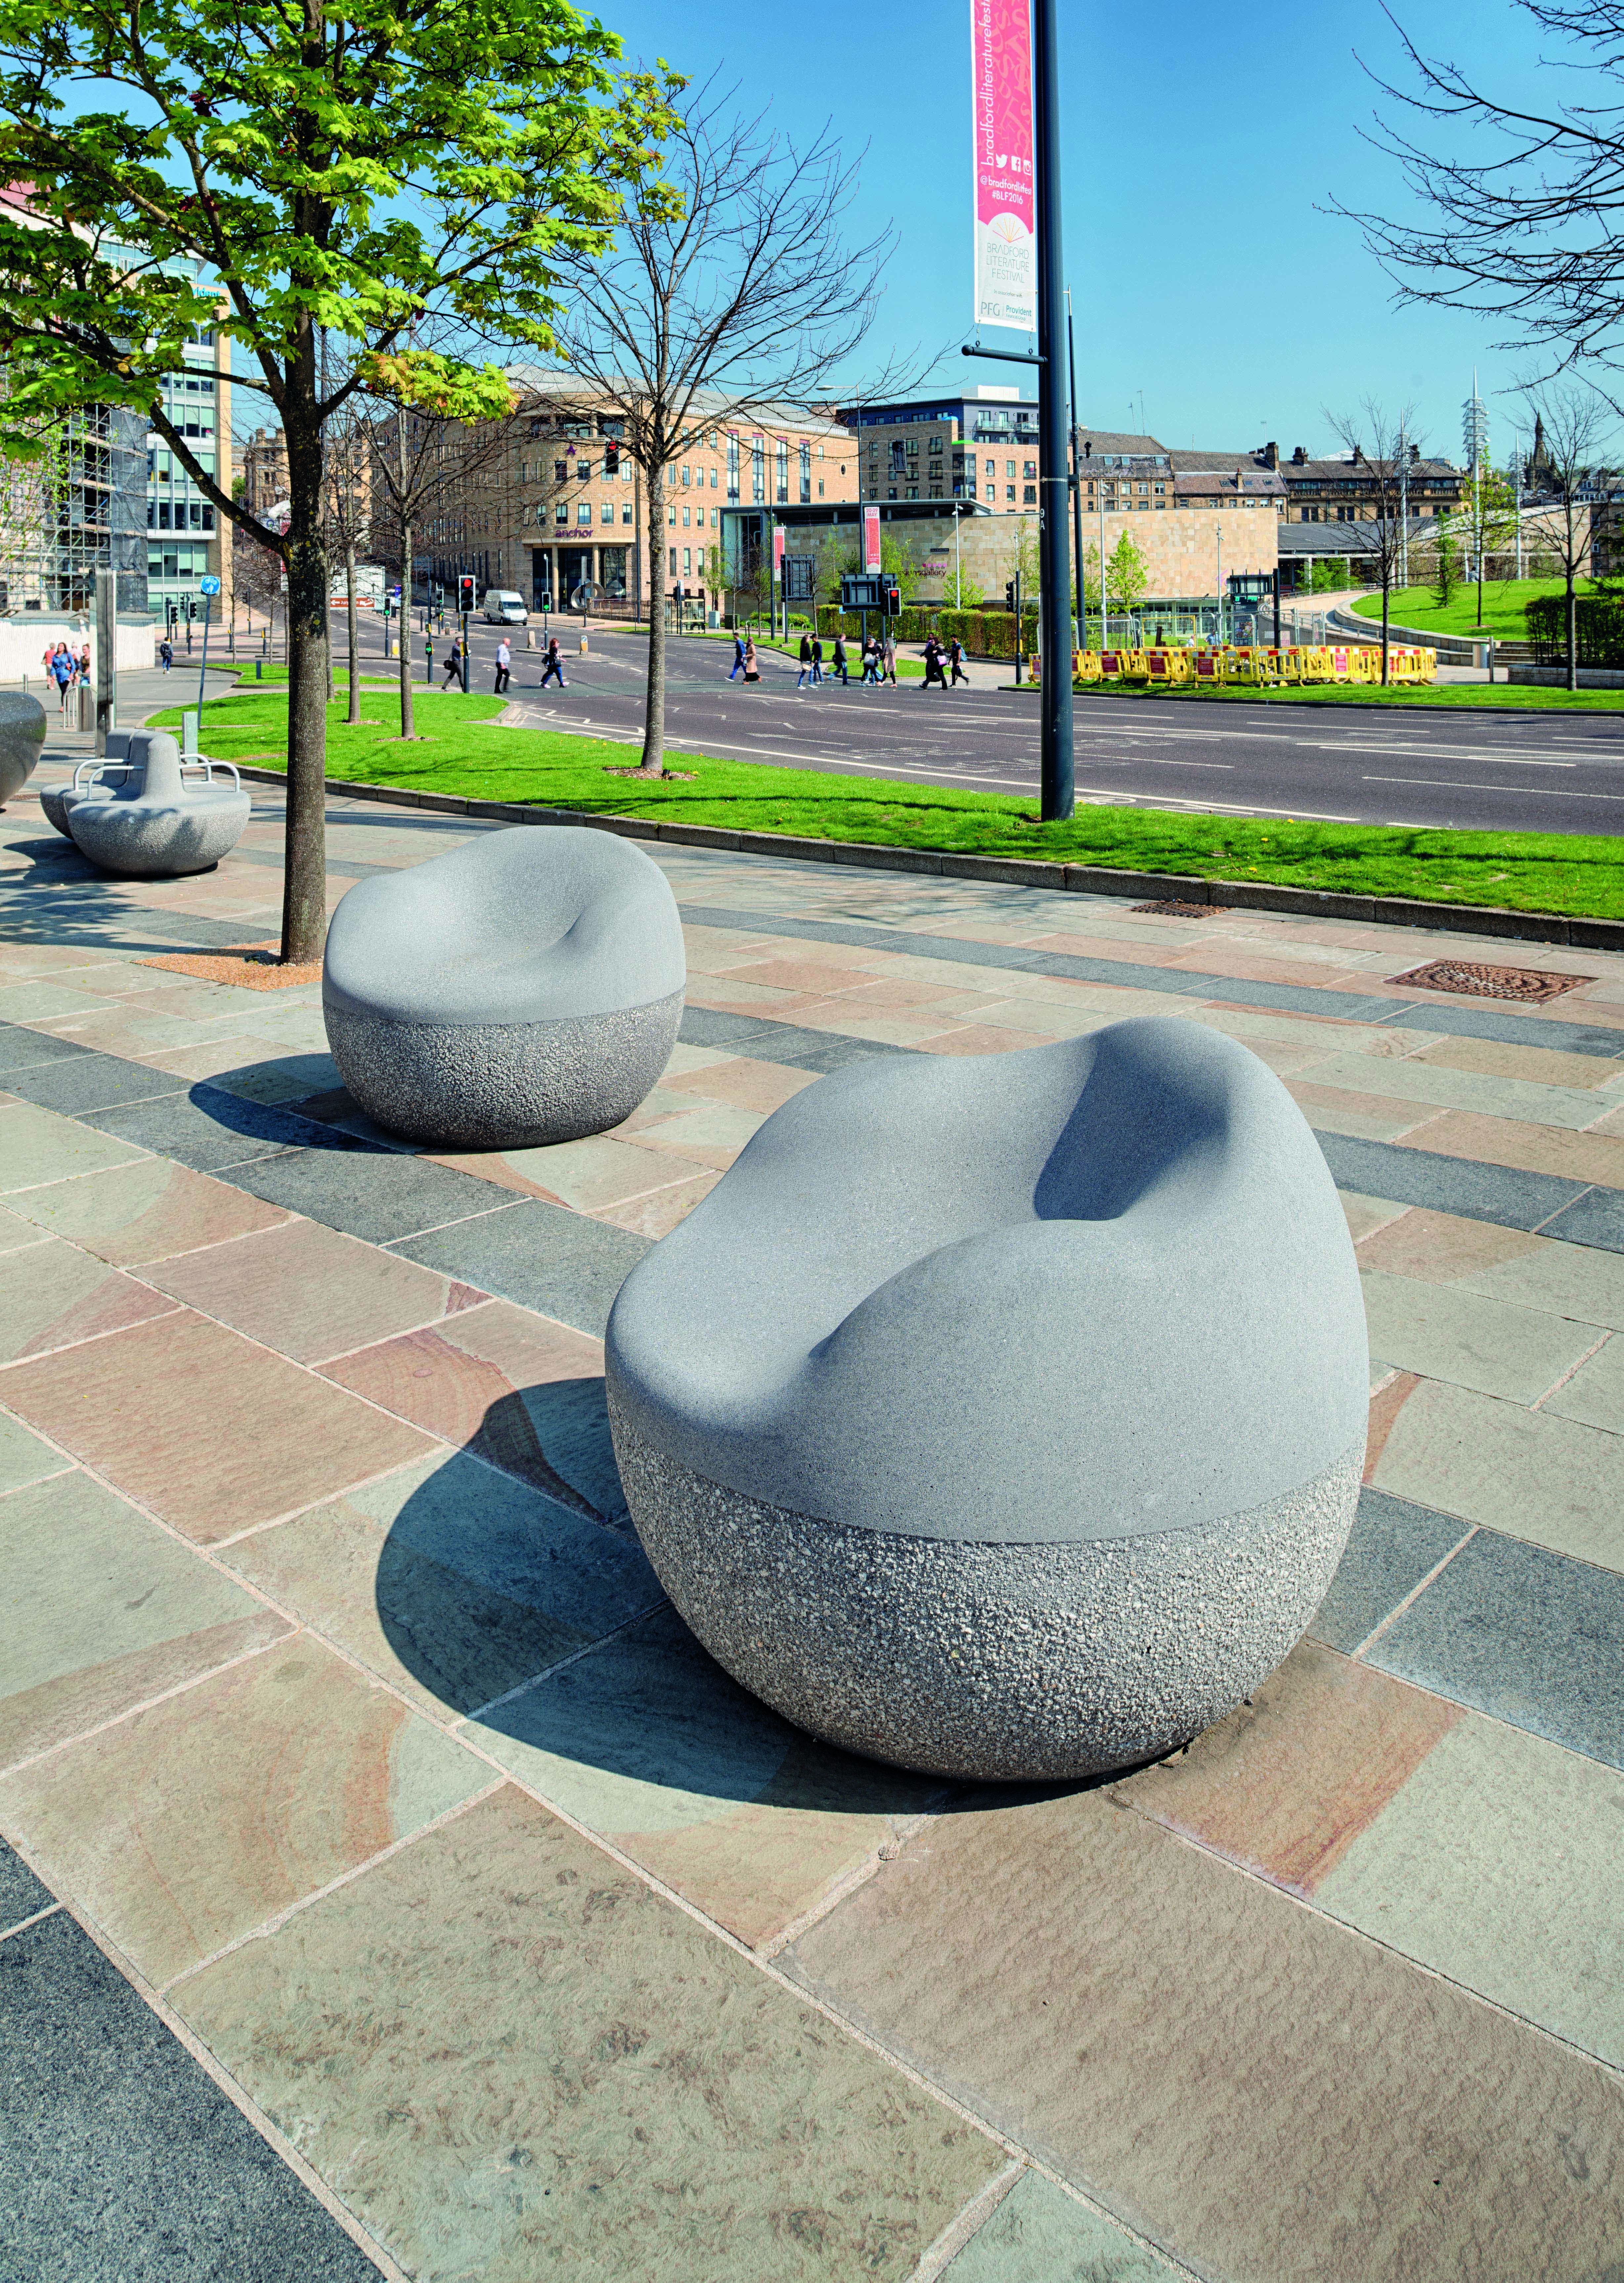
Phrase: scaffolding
[79,510]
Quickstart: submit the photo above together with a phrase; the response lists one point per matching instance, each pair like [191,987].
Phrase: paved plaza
[393,1884]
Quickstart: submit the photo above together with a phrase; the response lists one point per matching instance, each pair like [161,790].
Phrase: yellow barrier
[1087,665]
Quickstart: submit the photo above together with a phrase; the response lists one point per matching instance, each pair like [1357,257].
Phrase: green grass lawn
[1503,603]
[458,752]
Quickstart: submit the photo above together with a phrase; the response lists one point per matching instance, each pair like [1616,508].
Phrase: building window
[1028,469]
[805,473]
[992,467]
[583,513]
[688,477]
[686,513]
[781,457]
[625,510]
[820,488]
[757,468]
[891,494]
[912,491]
[561,513]
[1009,491]
[935,443]
[935,491]
[1028,494]
[673,562]
[606,513]
[687,558]
[732,467]
[1009,470]
[670,515]
[560,471]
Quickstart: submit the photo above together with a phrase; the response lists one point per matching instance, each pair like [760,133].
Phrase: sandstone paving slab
[53,1296]
[1367,1117]
[523,1390]
[307,1291]
[741,1082]
[452,1582]
[1393,1547]
[1594,1393]
[1530,1636]
[600,1170]
[562,1265]
[120,2156]
[1287,1782]
[377,1195]
[211,1432]
[647,1742]
[102,1611]
[1529,1149]
[657,1214]
[182,1827]
[39,1145]
[1539,1066]
[1365,1215]
[25,1458]
[710,1134]
[1038,2232]
[1263,2093]
[146,1210]
[1413,1080]
[1527,1473]
[505,2054]
[1471,1340]
[1596,1219]
[1495,1862]
[21,1895]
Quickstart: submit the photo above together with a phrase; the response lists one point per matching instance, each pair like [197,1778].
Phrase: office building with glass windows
[187,537]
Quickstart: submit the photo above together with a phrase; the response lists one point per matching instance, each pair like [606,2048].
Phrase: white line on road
[1458,785]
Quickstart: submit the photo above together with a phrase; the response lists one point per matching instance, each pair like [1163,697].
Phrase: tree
[1379,443]
[275,170]
[1574,419]
[1488,513]
[1127,575]
[1446,560]
[729,295]
[433,425]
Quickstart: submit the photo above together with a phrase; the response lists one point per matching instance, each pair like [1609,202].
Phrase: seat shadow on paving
[337,1696]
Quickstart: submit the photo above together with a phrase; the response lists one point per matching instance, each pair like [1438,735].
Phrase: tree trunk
[1384,632]
[1572,630]
[354,632]
[654,713]
[304,892]
[409,725]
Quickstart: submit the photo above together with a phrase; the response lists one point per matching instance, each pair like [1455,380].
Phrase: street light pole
[1076,482]
[1057,799]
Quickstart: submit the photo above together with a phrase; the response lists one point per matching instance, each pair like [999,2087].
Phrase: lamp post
[1057,799]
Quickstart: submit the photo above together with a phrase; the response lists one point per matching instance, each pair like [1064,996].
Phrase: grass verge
[457,753]
[1504,601]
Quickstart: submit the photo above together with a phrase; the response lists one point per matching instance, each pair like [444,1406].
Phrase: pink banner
[1005,202]
[871,539]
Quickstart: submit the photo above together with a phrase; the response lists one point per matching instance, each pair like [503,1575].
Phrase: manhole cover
[1178,911]
[1480,982]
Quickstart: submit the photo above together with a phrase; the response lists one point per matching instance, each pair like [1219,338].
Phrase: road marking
[1458,785]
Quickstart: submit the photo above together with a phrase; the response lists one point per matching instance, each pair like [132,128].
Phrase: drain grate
[1178,911]
[1480,982]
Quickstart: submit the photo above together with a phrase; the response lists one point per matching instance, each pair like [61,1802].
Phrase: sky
[1201,149]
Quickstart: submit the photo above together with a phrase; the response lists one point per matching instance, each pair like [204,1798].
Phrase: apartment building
[264,462]
[978,444]
[561,504]
[1343,491]
[187,538]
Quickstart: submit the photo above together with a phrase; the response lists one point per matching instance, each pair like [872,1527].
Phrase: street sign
[208,586]
[859,591]
[800,573]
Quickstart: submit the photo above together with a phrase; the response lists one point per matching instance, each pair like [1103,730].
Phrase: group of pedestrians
[879,658]
[938,657]
[67,670]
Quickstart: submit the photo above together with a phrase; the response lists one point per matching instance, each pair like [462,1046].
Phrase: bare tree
[346,446]
[424,452]
[733,304]
[1379,442]
[1574,421]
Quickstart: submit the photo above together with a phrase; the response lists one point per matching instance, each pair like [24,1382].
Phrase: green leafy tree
[1489,517]
[1446,561]
[1127,575]
[352,166]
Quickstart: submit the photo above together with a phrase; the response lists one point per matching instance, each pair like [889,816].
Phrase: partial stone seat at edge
[525,988]
[155,823]
[22,740]
[1004,1417]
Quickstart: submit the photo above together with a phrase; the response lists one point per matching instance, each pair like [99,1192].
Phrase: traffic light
[172,613]
[1009,596]
[893,601]
[191,606]
[465,595]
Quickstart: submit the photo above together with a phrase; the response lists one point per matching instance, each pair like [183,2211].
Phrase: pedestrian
[454,665]
[738,656]
[890,658]
[956,655]
[752,667]
[166,653]
[84,665]
[871,662]
[837,664]
[806,660]
[62,672]
[817,658]
[554,668]
[933,662]
[504,665]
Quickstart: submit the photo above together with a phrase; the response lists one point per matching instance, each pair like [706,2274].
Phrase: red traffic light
[465,594]
[893,601]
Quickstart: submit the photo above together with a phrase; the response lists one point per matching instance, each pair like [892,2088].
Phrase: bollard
[188,736]
[583,645]
[530,637]
[259,669]
[86,707]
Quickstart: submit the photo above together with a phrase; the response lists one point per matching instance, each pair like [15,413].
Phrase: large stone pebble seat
[165,819]
[109,770]
[1004,1417]
[22,739]
[522,989]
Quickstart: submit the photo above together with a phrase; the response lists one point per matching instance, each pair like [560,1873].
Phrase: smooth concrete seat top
[1069,1292]
[535,924]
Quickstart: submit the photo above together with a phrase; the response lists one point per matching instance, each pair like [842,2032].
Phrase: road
[1535,772]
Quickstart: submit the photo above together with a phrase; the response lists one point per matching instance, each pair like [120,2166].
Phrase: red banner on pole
[1006,195]
[871,539]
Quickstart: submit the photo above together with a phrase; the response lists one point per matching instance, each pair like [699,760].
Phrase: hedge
[984,634]
[1598,629]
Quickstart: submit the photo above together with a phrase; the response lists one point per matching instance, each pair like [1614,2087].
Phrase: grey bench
[165,818]
[22,739]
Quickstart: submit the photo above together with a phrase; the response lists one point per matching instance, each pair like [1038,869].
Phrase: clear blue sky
[1200,146]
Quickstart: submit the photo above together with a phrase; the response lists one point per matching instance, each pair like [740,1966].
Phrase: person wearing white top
[504,661]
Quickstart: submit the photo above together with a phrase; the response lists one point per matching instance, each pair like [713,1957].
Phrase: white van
[504,608]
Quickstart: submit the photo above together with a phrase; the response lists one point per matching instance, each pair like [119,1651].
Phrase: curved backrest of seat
[161,779]
[532,924]
[117,748]
[925,1287]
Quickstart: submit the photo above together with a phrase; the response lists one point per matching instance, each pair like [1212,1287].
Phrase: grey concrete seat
[1004,1416]
[168,817]
[22,739]
[111,770]
[523,988]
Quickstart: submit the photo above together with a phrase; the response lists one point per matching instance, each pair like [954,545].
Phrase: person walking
[166,653]
[752,667]
[837,664]
[504,665]
[817,658]
[738,656]
[554,667]
[956,658]
[871,663]
[933,663]
[454,664]
[62,673]
[806,660]
[890,658]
